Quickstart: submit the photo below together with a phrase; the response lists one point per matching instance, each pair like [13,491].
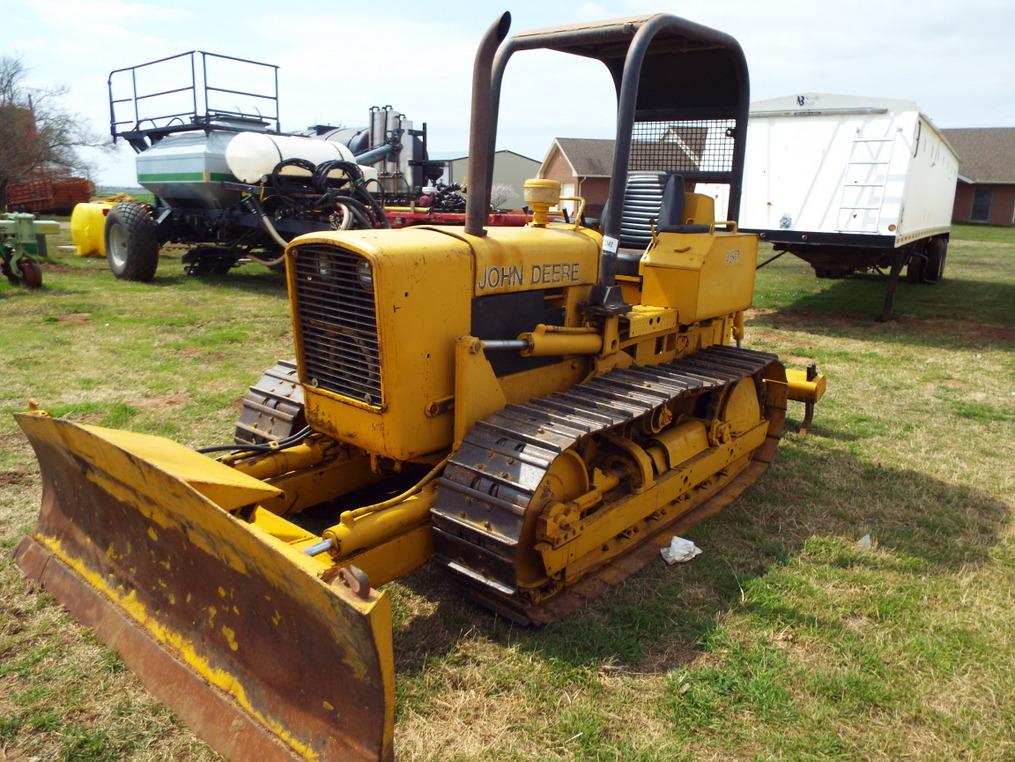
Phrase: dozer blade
[226,624]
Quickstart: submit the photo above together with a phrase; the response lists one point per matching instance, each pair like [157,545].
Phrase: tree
[500,193]
[36,132]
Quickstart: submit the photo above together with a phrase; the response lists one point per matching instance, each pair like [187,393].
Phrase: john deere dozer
[537,408]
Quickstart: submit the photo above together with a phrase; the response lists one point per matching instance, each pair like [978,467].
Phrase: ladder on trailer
[863,188]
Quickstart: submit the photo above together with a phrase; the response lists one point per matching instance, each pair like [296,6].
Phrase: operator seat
[650,199]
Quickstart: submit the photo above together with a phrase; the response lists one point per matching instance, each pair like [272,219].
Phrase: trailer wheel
[936,251]
[916,266]
[132,245]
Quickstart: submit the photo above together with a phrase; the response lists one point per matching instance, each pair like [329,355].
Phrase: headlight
[365,274]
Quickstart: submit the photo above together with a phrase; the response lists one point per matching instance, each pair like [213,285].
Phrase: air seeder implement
[227,182]
[534,409]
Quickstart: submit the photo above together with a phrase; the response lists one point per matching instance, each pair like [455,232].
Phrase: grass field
[785,639]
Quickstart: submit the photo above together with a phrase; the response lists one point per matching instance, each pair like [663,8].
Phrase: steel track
[492,479]
[273,407]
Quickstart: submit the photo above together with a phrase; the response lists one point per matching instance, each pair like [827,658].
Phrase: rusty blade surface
[221,621]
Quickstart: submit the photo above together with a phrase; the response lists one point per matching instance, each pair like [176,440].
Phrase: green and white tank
[192,169]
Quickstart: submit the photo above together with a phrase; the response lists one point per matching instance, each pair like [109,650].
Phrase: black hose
[380,188]
[282,444]
[369,199]
[357,209]
[354,175]
[286,184]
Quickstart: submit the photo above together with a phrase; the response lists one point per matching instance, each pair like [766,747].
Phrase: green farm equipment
[22,242]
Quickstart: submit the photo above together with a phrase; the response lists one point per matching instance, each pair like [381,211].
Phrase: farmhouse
[986,187]
[583,166]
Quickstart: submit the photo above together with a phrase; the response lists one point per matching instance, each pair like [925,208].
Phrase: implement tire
[132,245]
[916,266]
[936,251]
[31,272]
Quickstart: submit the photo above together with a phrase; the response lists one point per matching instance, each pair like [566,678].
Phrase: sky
[338,59]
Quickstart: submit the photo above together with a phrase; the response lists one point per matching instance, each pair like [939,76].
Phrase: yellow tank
[87,224]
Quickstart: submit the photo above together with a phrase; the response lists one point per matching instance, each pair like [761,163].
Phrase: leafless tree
[36,132]
[500,193]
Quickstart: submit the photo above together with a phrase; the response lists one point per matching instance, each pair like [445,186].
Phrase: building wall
[1002,203]
[508,169]
[557,168]
[593,189]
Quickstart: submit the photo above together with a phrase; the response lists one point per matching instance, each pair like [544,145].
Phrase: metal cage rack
[144,117]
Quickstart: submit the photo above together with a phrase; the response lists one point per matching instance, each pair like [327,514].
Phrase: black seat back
[643,197]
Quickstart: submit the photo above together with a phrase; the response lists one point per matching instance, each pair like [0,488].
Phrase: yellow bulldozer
[535,409]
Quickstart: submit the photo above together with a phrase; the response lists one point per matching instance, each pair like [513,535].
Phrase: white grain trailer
[850,184]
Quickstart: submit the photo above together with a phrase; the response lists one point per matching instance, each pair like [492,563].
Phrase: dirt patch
[955,384]
[163,402]
[960,328]
[14,442]
[16,476]
[78,318]
[678,653]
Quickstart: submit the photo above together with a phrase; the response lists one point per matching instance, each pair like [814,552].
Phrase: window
[981,205]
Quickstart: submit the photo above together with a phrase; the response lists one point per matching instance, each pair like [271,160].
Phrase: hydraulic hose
[327,543]
[354,175]
[283,183]
[270,229]
[417,487]
[282,444]
[374,204]
[359,211]
[346,215]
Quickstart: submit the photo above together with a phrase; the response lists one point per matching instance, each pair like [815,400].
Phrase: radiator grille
[337,318]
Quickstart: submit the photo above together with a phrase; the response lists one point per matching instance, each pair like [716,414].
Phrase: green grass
[784,640]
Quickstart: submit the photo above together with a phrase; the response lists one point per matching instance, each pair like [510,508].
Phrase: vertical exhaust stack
[481,142]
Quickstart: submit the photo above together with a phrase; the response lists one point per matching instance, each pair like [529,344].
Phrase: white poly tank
[251,155]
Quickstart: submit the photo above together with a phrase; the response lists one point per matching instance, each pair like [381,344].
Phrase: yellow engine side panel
[700,275]
[421,290]
[528,258]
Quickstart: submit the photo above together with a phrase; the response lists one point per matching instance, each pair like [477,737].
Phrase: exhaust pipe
[481,143]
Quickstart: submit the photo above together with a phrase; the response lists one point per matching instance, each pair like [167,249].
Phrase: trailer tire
[132,243]
[916,266]
[936,251]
